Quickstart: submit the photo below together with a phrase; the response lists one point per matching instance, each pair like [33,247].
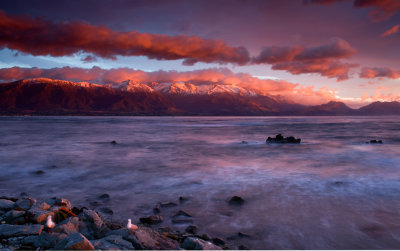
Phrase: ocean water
[332,191]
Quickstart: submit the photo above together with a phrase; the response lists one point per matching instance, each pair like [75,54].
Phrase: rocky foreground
[24,226]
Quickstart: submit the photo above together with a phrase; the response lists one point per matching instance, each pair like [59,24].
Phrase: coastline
[24,226]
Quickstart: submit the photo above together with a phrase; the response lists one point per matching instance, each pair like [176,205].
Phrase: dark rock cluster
[24,226]
[282,140]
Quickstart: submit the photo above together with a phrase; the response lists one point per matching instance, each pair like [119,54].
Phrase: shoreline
[23,227]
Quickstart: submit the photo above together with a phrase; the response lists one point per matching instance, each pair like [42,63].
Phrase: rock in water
[236,201]
[281,140]
[74,241]
[192,243]
[154,219]
[7,230]
[374,141]
[192,229]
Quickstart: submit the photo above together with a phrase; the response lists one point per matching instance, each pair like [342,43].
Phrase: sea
[331,191]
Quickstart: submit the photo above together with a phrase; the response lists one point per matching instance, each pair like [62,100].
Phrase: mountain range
[43,96]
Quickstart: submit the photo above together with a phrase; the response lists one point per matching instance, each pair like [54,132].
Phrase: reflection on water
[331,191]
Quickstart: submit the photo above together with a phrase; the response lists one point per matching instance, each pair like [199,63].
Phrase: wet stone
[192,229]
[168,204]
[182,213]
[74,242]
[218,241]
[7,230]
[236,201]
[154,219]
[192,243]
[24,203]
[6,205]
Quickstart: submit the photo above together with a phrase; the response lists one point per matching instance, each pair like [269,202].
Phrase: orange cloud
[322,59]
[40,37]
[391,31]
[379,72]
[292,92]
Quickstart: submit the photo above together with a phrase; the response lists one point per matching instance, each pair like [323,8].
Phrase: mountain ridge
[44,96]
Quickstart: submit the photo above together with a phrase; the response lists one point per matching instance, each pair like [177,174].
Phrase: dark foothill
[374,141]
[218,241]
[114,142]
[236,201]
[282,140]
[192,229]
[154,219]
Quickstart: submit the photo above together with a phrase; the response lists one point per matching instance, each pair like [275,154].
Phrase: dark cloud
[89,59]
[41,37]
[322,59]
[379,72]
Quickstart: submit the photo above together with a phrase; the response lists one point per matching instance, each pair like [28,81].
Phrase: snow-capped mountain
[47,96]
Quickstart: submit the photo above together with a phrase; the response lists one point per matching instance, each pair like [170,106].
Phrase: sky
[309,51]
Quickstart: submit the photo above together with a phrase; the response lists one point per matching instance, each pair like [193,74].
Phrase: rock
[374,141]
[281,140]
[192,243]
[206,237]
[242,247]
[168,204]
[24,203]
[112,242]
[192,229]
[74,241]
[6,205]
[39,172]
[182,213]
[91,225]
[68,226]
[106,210]
[218,241]
[243,235]
[104,197]
[62,202]
[40,205]
[157,209]
[124,232]
[236,201]
[44,240]
[146,238]
[244,142]
[40,216]
[14,217]
[114,142]
[154,219]
[183,199]
[7,230]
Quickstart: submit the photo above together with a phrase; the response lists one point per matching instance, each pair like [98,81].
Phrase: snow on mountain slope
[58,82]
[131,86]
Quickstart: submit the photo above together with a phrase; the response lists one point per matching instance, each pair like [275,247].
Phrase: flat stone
[40,205]
[74,241]
[146,238]
[115,241]
[7,230]
[154,219]
[24,203]
[6,205]
[193,243]
[182,213]
[44,240]
[14,217]
[68,226]
[168,204]
[40,216]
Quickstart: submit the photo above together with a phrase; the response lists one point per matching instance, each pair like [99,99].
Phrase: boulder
[6,205]
[236,201]
[44,240]
[40,216]
[154,219]
[282,140]
[67,226]
[181,217]
[40,205]
[218,241]
[192,229]
[146,238]
[24,203]
[374,141]
[193,243]
[7,230]
[14,217]
[74,241]
[112,242]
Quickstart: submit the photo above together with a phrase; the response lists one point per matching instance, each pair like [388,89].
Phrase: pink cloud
[391,31]
[379,72]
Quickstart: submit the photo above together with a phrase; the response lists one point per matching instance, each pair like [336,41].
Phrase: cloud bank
[379,72]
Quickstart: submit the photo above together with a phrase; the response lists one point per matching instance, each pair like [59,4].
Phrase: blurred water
[332,191]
